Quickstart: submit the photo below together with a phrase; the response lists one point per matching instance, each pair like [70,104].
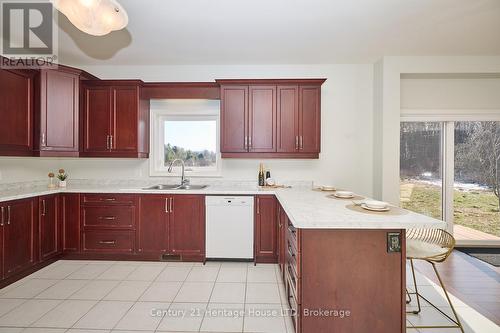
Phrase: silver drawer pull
[107,217]
[108,242]
[109,199]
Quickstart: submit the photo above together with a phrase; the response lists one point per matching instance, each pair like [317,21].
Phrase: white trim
[448,172]
[162,110]
[449,115]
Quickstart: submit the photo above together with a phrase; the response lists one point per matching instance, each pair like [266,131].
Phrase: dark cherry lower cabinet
[266,242]
[172,224]
[186,227]
[49,229]
[18,223]
[152,231]
[69,217]
[347,274]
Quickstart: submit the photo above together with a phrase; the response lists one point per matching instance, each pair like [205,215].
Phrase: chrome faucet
[184,180]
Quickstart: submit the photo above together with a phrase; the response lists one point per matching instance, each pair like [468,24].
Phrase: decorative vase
[51,183]
[62,183]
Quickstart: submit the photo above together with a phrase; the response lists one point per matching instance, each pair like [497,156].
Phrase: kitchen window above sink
[187,130]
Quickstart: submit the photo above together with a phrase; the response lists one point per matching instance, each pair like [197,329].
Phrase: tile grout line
[173,299]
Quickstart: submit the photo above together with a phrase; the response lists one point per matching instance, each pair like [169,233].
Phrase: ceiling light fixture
[95,17]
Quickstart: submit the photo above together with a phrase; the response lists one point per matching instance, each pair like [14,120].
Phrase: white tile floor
[105,296]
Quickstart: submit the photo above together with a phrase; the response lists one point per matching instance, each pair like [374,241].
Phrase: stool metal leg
[457,320]
[417,295]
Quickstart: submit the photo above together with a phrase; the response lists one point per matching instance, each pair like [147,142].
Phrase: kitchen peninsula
[333,260]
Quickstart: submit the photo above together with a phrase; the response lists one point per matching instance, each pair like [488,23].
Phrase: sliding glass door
[451,170]
[421,168]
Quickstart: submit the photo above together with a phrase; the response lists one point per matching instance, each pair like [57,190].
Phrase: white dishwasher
[229,227]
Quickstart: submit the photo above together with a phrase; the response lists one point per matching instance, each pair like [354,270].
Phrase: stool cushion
[420,250]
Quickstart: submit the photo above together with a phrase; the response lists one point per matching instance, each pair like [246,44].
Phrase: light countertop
[305,208]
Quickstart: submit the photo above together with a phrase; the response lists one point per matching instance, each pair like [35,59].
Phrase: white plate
[386,209]
[327,188]
[344,194]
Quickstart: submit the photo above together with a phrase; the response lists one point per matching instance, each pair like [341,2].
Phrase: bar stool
[433,246]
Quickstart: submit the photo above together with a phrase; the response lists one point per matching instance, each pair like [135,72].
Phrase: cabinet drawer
[292,257]
[108,241]
[109,199]
[291,276]
[108,216]
[292,235]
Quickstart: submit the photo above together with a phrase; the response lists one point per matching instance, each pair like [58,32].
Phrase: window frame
[158,117]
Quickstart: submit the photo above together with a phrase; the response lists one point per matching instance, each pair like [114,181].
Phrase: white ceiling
[287,32]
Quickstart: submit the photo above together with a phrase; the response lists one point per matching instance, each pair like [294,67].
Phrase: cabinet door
[309,119]
[262,119]
[97,119]
[265,229]
[152,228]
[19,226]
[16,113]
[59,111]
[48,226]
[187,225]
[288,119]
[69,215]
[234,115]
[124,118]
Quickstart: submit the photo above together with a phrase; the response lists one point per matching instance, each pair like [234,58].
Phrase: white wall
[346,159]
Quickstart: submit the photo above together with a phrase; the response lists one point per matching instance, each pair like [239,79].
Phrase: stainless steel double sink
[176,187]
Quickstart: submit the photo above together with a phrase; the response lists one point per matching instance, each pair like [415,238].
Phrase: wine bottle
[262,180]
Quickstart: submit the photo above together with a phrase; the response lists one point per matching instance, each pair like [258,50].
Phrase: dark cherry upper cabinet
[49,229]
[262,119]
[234,115]
[18,222]
[69,217]
[152,230]
[186,227]
[16,112]
[288,119]
[271,118]
[115,119]
[266,228]
[57,113]
[309,119]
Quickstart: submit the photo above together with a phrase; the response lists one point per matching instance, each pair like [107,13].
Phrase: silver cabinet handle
[43,207]
[171,205]
[3,216]
[108,199]
[166,205]
[107,218]
[301,142]
[43,139]
[108,242]
[296,142]
[8,215]
[107,142]
[245,144]
[110,142]
[258,206]
[249,142]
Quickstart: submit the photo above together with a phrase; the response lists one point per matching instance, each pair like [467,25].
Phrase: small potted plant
[51,180]
[62,176]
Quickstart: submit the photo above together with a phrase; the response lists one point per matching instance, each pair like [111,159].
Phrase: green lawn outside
[473,209]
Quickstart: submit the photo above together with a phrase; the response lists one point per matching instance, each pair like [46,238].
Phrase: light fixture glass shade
[95,17]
